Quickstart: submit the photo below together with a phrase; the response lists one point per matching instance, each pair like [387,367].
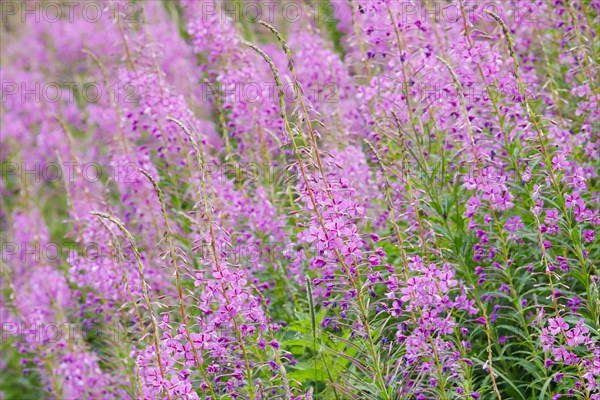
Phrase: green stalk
[144,287]
[184,316]
[362,308]
[199,159]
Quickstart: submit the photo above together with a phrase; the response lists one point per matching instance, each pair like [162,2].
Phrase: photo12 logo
[269,10]
[54,253]
[70,11]
[520,11]
[66,92]
[57,332]
[69,171]
[258,92]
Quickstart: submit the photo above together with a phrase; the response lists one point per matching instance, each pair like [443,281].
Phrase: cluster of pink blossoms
[361,199]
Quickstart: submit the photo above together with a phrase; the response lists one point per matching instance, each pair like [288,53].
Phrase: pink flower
[558,162]
[557,325]
[572,199]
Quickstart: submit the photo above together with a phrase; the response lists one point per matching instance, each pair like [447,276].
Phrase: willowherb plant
[368,199]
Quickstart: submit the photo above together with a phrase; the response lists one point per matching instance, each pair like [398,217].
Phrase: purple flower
[588,235]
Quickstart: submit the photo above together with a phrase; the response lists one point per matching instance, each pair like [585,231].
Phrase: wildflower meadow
[300,199]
